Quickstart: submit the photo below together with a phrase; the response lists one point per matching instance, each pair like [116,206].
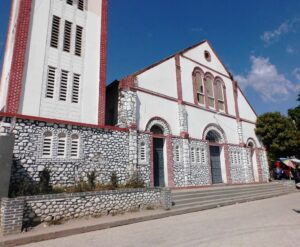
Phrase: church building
[180,122]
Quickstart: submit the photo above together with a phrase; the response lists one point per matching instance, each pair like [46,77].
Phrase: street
[270,222]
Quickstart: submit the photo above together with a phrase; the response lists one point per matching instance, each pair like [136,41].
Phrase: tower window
[47,144]
[67,36]
[63,85]
[70,2]
[75,88]
[81,5]
[55,32]
[50,82]
[78,41]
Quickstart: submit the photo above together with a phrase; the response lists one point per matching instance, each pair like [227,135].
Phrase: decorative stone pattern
[101,150]
[126,108]
[27,211]
[240,165]
[217,129]
[183,118]
[186,171]
[159,122]
[178,166]
[133,150]
[240,131]
[199,169]
[264,165]
[144,165]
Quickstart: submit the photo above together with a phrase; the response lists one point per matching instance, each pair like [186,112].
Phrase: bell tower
[55,60]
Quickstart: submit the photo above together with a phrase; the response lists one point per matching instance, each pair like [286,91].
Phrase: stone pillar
[259,168]
[170,161]
[11,215]
[227,164]
[166,198]
[7,141]
[127,108]
[183,119]
[186,161]
[133,151]
[240,132]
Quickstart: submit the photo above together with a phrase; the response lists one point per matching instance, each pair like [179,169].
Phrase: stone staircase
[192,200]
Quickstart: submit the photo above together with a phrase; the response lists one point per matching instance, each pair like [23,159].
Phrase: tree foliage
[278,134]
[294,114]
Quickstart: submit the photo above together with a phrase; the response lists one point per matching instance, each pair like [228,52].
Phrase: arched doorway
[213,137]
[161,144]
[252,145]
[158,156]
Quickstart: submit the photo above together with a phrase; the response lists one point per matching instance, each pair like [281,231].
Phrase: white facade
[40,55]
[188,111]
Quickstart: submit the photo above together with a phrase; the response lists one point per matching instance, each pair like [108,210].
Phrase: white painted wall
[40,55]
[197,54]
[245,110]
[199,119]
[187,68]
[7,60]
[149,106]
[161,78]
[249,132]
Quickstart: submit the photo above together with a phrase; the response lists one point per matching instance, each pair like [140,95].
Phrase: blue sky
[259,41]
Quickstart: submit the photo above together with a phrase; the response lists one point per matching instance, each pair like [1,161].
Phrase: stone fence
[17,214]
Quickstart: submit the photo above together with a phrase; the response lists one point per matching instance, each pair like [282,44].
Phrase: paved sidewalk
[270,222]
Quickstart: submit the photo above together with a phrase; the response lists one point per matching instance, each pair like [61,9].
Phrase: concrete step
[218,193]
[224,195]
[191,209]
[232,199]
[223,189]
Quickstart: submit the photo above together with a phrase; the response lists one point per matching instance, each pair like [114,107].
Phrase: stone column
[127,108]
[133,151]
[227,164]
[183,120]
[186,161]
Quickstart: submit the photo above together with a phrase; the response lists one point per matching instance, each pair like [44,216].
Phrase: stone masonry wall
[100,150]
[24,212]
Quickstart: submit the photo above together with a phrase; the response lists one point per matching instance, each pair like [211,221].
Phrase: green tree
[278,134]
[294,114]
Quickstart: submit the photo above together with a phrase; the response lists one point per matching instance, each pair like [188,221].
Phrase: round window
[207,56]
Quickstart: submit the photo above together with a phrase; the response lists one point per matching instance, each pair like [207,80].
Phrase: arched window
[220,95]
[210,91]
[155,129]
[142,151]
[177,153]
[199,87]
[213,136]
[193,155]
[61,146]
[47,144]
[74,146]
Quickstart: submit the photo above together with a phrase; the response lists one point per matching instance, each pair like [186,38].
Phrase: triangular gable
[196,53]
[245,109]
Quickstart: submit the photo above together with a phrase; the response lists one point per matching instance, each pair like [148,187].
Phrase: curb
[22,240]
